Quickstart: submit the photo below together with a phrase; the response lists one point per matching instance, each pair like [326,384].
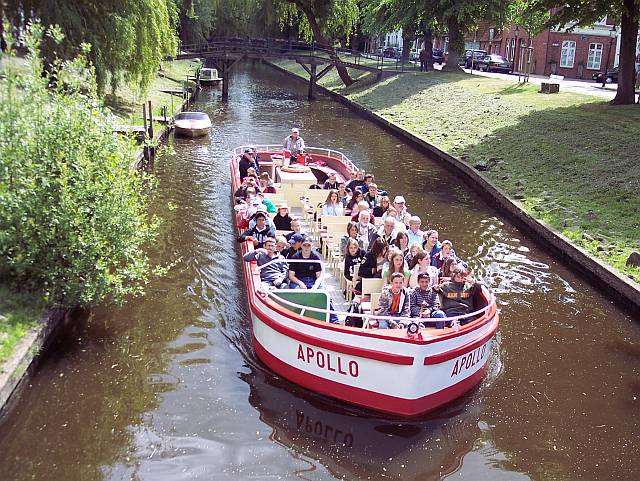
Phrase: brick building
[576,54]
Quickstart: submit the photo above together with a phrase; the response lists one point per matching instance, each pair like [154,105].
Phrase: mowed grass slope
[570,159]
[19,313]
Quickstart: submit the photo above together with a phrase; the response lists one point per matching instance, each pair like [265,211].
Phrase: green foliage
[74,221]
[323,19]
[18,315]
[525,13]
[128,38]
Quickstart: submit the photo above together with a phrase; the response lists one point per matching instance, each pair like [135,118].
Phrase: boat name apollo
[324,361]
[322,430]
[469,360]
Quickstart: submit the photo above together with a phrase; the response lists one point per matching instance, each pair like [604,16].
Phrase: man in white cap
[401,207]
[294,144]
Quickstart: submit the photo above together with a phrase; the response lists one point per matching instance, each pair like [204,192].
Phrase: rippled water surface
[167,388]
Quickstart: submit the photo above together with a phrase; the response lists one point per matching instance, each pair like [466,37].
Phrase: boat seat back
[341,220]
[375,301]
[275,198]
[316,196]
[371,286]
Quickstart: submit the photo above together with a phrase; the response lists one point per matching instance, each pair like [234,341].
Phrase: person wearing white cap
[401,207]
[294,144]
[282,219]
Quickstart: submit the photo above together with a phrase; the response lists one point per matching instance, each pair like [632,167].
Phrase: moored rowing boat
[394,371]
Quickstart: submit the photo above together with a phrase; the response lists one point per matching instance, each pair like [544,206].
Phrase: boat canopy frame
[279,149]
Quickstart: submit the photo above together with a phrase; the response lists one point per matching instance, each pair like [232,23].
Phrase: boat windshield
[192,116]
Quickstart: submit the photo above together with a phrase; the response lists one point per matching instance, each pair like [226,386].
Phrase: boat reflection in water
[353,444]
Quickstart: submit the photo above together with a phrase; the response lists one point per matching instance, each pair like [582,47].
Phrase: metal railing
[278,149]
[365,316]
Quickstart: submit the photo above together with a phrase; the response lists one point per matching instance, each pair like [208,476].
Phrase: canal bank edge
[24,359]
[622,290]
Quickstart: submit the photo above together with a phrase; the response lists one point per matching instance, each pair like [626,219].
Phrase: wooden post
[144,116]
[312,82]
[225,79]
[150,121]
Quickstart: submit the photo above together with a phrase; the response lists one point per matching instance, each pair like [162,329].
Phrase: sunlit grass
[19,314]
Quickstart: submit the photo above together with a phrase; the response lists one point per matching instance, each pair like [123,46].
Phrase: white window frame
[593,48]
[570,47]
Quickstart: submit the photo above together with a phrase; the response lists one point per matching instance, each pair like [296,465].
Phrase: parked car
[414,55]
[493,63]
[392,52]
[477,54]
[438,55]
[612,76]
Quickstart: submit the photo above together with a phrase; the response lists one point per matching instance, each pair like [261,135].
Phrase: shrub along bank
[570,159]
[74,221]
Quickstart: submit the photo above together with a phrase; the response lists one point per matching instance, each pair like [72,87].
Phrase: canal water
[167,387]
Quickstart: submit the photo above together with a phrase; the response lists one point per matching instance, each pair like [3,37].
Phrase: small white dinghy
[192,124]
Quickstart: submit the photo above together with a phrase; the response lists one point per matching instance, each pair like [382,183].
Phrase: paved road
[588,87]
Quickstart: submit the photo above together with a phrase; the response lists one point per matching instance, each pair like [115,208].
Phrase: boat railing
[365,316]
[277,148]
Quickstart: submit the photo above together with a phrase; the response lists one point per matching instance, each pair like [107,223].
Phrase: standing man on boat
[294,143]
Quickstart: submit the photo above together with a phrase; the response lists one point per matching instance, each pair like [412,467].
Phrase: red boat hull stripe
[333,346]
[459,351]
[364,397]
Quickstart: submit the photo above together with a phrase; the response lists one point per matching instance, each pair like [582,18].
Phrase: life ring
[296,168]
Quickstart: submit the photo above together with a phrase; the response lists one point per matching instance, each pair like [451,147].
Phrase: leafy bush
[74,221]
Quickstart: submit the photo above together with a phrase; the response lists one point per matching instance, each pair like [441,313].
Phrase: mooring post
[312,82]
[150,121]
[225,80]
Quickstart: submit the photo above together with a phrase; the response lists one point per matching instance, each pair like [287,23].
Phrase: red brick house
[576,54]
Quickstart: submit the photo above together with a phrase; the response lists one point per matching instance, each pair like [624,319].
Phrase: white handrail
[276,148]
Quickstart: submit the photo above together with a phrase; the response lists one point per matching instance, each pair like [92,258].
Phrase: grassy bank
[127,101]
[570,159]
[18,315]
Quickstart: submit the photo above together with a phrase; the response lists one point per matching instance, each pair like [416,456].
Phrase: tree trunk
[3,42]
[428,46]
[407,36]
[629,36]
[321,39]
[455,45]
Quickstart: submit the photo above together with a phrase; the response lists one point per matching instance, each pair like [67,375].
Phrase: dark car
[392,52]
[477,55]
[494,63]
[612,76]
[438,55]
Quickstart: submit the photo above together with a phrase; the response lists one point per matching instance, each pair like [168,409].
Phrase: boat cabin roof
[192,116]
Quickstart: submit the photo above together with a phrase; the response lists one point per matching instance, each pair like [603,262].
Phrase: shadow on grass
[516,88]
[576,169]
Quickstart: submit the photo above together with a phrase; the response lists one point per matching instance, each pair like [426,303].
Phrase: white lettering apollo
[328,361]
[469,360]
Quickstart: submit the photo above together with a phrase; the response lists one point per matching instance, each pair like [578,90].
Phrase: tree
[574,13]
[128,38]
[386,15]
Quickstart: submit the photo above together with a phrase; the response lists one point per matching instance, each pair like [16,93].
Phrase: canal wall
[606,279]
[23,362]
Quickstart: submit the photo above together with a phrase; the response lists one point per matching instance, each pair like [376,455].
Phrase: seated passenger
[266,184]
[253,211]
[250,182]
[445,271]
[388,230]
[382,208]
[282,219]
[423,265]
[343,195]
[332,205]
[259,233]
[372,197]
[410,257]
[425,302]
[358,182]
[445,253]
[353,257]
[396,264]
[431,244]
[401,206]
[366,230]
[249,159]
[295,244]
[305,275]
[331,183]
[414,232]
[296,227]
[402,242]
[360,207]
[458,294]
[394,302]
[271,208]
[352,233]
[281,244]
[373,261]
[276,273]
[356,198]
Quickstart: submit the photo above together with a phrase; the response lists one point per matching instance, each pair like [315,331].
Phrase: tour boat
[404,372]
[209,76]
[192,124]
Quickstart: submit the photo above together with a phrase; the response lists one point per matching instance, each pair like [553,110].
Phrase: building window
[568,54]
[594,60]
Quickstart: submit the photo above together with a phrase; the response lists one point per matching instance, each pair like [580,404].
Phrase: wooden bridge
[225,53]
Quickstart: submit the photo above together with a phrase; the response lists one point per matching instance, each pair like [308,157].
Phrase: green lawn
[127,101]
[570,159]
[18,315]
